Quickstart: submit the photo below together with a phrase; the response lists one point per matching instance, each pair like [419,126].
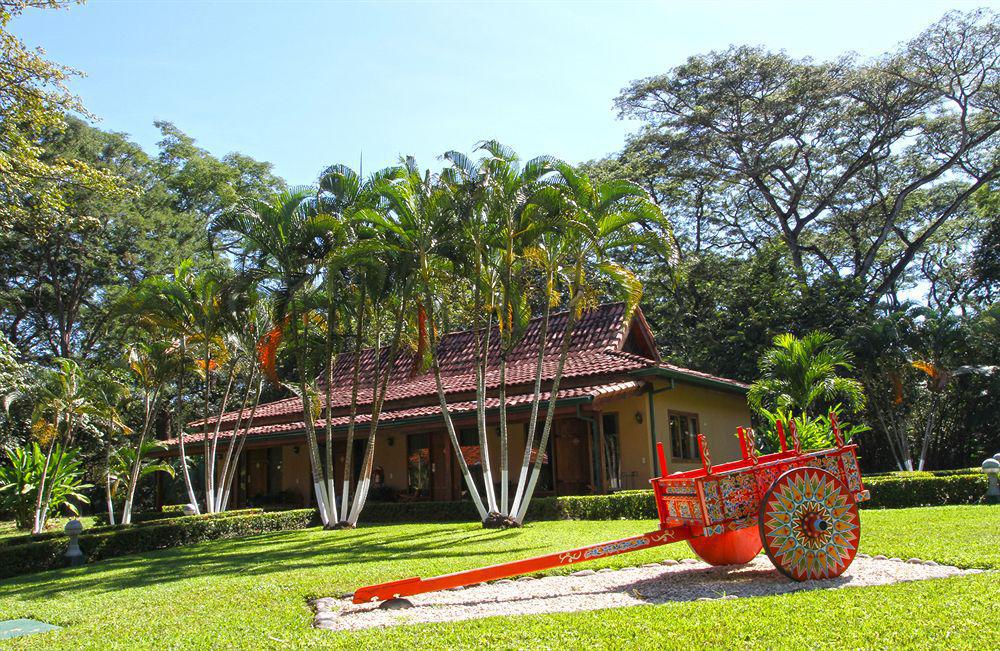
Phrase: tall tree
[35,188]
[835,159]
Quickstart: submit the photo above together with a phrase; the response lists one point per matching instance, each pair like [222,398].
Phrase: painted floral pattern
[810,525]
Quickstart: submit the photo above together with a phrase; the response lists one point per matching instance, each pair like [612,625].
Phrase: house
[616,400]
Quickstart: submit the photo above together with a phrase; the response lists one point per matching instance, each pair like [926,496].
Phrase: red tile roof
[590,393]
[595,352]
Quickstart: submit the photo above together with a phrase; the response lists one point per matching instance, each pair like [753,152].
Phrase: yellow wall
[719,414]
[295,472]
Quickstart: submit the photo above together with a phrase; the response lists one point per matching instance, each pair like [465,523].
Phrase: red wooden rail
[416,585]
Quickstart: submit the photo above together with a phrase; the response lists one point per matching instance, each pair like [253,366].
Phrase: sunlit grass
[252,593]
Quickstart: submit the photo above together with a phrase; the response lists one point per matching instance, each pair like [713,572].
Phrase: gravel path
[590,590]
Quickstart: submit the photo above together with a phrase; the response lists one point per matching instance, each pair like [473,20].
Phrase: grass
[252,593]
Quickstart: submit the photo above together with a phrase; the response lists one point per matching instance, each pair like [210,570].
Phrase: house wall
[719,414]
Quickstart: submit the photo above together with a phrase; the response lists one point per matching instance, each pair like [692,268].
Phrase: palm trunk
[231,476]
[316,469]
[150,409]
[443,402]
[188,486]
[39,521]
[364,481]
[550,414]
[352,419]
[41,516]
[221,488]
[210,499]
[529,436]
[107,492]
[484,443]
[504,456]
[928,430]
[206,443]
[330,470]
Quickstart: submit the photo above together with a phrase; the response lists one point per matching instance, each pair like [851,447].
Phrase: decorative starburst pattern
[809,524]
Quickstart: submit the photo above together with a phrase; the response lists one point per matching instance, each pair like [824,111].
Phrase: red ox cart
[801,507]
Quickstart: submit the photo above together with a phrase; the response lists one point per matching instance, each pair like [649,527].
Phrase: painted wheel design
[730,548]
[809,524]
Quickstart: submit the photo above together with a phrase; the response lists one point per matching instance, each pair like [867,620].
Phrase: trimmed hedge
[47,535]
[49,553]
[149,517]
[888,491]
[921,490]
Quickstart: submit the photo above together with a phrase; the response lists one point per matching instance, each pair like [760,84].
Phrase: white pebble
[583,573]
[669,562]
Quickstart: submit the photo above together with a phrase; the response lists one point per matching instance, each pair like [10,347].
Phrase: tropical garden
[827,232]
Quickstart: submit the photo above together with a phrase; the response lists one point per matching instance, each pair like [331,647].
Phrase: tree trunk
[319,485]
[443,402]
[39,521]
[231,476]
[364,481]
[529,435]
[550,414]
[220,489]
[107,487]
[929,429]
[352,419]
[210,498]
[150,410]
[484,443]
[189,487]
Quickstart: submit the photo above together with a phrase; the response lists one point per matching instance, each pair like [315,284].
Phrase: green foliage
[158,517]
[21,477]
[815,433]
[801,375]
[48,553]
[37,188]
[907,491]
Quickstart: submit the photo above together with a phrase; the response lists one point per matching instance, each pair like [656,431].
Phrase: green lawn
[252,593]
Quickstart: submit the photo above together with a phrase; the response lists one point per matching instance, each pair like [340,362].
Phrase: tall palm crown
[801,375]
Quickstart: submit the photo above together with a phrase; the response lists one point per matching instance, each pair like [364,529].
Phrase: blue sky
[307,84]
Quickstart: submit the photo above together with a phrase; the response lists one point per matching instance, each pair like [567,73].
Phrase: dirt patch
[589,590]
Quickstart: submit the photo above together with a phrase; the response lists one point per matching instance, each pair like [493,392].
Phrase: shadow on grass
[380,548]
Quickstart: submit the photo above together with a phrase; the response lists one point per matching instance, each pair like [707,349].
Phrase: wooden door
[572,457]
[441,465]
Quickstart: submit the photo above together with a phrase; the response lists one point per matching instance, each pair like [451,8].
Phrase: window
[612,453]
[684,436]
[468,436]
[418,464]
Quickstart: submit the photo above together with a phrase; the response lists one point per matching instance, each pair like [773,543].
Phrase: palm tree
[800,376]
[496,207]
[127,466]
[601,219]
[288,239]
[65,403]
[197,312]
[153,365]
[418,225]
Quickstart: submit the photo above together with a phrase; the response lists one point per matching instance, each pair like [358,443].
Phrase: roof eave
[688,378]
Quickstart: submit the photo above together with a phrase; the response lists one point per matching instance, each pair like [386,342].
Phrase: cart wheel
[731,548]
[809,524]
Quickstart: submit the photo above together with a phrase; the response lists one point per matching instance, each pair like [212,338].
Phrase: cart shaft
[416,585]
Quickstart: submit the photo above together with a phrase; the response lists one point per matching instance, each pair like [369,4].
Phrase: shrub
[924,490]
[21,477]
[159,516]
[109,542]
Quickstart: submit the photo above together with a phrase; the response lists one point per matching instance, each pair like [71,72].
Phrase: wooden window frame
[695,456]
